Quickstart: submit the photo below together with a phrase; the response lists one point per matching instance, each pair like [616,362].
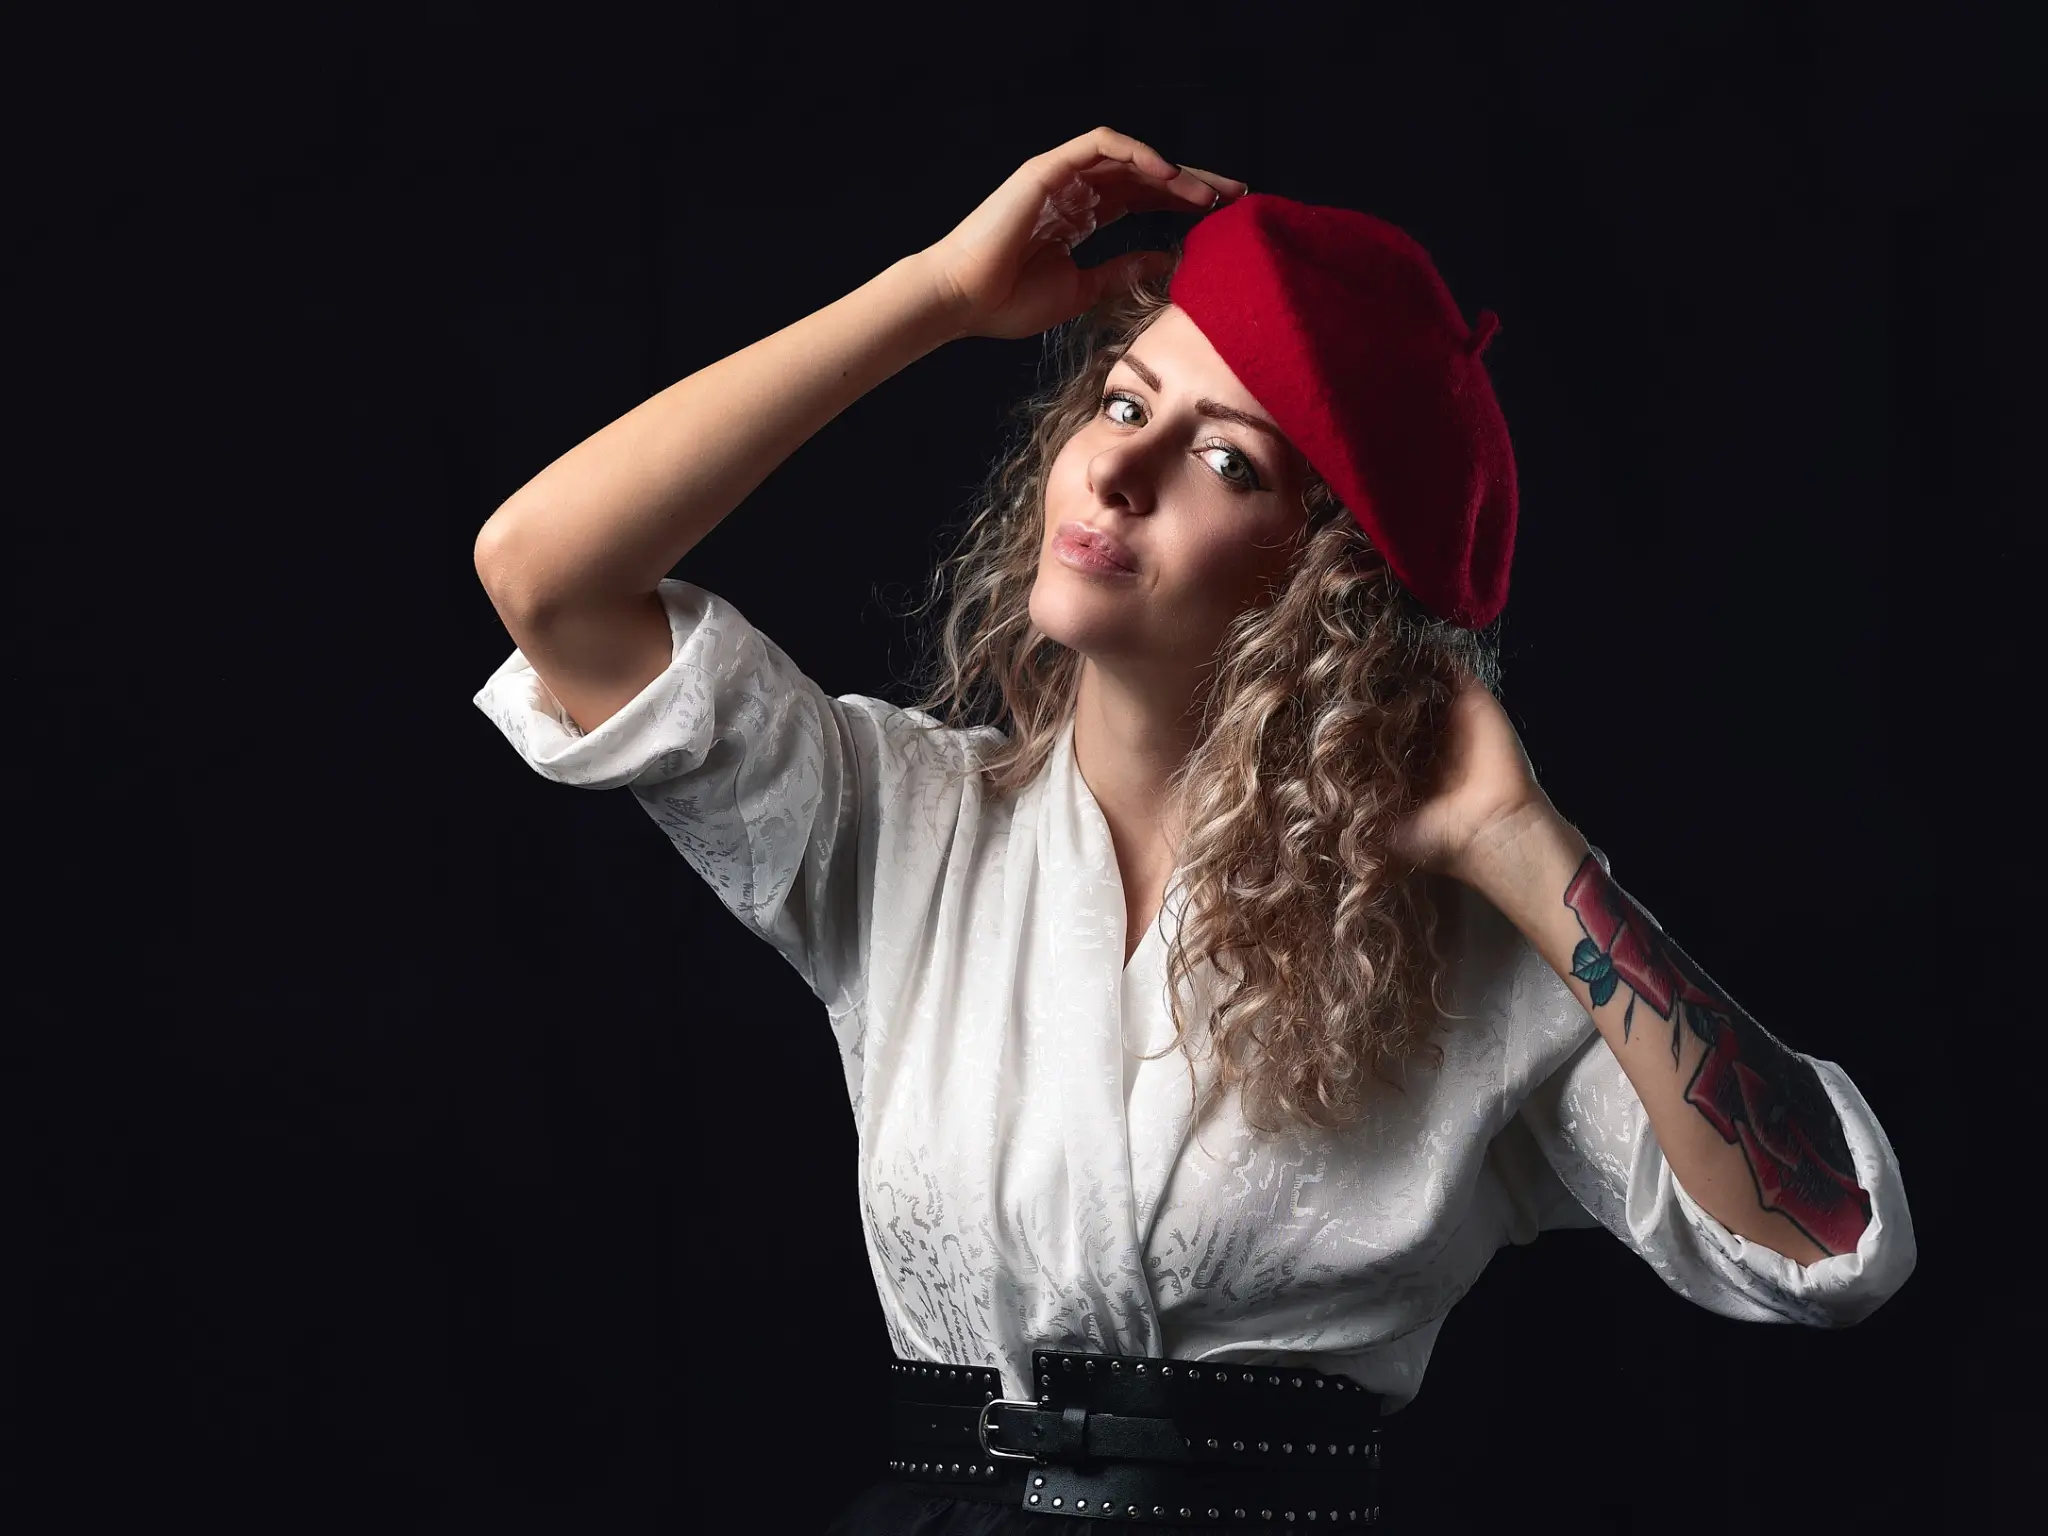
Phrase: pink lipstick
[1087,549]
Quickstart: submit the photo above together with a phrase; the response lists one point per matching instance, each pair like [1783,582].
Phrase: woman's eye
[1249,481]
[1112,400]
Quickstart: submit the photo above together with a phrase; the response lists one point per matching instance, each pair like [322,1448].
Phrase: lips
[1093,538]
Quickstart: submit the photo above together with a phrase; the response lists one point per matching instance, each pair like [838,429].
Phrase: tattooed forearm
[1744,1122]
[1753,1091]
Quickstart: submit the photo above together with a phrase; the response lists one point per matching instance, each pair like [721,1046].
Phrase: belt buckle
[981,1427]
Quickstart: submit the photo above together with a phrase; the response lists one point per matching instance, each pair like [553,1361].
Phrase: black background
[401,1142]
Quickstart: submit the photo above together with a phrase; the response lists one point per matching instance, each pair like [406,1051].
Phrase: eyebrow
[1215,410]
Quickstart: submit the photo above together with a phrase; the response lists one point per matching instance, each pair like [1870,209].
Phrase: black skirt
[893,1508]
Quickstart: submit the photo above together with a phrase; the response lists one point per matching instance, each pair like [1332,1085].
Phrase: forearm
[611,517]
[1744,1122]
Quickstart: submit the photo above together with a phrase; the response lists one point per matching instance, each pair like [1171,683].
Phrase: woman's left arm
[1745,1124]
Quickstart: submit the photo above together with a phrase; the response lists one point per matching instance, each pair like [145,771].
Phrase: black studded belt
[1143,1441]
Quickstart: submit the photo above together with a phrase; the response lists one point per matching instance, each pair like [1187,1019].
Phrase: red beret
[1340,326]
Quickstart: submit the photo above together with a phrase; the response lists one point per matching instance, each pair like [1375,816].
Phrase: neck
[1128,744]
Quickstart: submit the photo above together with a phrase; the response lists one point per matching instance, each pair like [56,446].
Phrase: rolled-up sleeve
[749,767]
[1593,1131]
[1591,1128]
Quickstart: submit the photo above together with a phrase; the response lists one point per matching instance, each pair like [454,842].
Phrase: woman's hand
[1485,789]
[1007,269]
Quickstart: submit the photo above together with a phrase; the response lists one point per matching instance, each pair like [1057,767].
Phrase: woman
[1161,1229]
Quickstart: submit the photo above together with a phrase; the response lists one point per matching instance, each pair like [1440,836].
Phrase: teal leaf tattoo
[1596,970]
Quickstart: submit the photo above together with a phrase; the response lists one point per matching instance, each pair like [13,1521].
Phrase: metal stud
[1262,1448]
[1237,1445]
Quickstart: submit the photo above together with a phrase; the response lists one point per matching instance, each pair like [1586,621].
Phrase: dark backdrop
[401,1142]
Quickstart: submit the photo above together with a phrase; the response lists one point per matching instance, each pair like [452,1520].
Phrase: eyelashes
[1242,487]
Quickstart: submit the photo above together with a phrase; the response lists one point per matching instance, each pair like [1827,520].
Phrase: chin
[1070,610]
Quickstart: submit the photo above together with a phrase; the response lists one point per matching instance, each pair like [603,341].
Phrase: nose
[1128,468]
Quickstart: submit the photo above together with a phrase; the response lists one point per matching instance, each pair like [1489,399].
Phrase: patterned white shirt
[1026,1181]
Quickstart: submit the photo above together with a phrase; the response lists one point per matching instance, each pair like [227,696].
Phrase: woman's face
[1208,508]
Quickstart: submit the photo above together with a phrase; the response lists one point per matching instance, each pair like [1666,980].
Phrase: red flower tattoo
[1754,1091]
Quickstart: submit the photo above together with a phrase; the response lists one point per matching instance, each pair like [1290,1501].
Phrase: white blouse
[1025,1180]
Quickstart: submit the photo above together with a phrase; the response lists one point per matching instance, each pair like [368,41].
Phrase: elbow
[505,574]
[488,553]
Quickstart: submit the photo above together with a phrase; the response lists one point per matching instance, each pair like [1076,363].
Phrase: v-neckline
[1116,870]
[1143,938]
[1152,924]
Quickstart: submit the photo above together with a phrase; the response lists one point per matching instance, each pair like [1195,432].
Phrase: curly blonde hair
[1319,733]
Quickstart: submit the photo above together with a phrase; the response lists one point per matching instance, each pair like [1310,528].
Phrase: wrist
[1527,846]
[950,309]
